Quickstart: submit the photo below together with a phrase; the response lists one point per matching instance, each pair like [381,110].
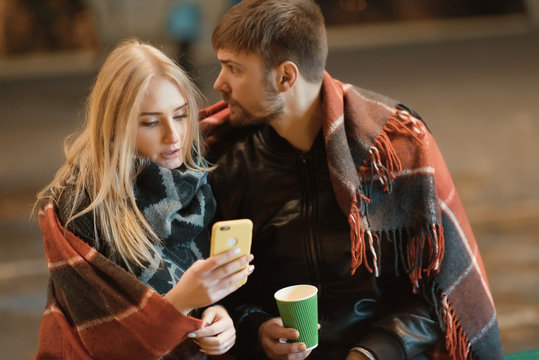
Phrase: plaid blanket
[392,183]
[97,310]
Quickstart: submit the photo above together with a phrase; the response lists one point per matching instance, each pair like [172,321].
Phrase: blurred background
[469,67]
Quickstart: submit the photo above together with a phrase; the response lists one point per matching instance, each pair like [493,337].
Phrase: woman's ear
[288,75]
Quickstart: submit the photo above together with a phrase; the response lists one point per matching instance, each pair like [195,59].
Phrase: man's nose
[220,84]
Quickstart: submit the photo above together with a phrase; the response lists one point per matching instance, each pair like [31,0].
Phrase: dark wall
[354,11]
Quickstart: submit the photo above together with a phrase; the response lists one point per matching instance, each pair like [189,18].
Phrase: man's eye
[232,69]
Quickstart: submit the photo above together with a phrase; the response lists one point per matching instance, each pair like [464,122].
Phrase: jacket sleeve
[403,335]
[408,325]
[247,319]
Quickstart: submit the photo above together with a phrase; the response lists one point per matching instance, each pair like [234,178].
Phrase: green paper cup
[298,307]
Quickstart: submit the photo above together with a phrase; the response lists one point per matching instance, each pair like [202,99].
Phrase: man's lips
[228,99]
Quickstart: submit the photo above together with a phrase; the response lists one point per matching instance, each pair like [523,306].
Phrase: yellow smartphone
[229,234]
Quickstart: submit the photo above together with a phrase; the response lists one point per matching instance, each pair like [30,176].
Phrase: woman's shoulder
[70,203]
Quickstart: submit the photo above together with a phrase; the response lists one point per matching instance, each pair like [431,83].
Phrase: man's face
[250,93]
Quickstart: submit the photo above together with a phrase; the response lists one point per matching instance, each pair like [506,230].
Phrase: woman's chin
[170,163]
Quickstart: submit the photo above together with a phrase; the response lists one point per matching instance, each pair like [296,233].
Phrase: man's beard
[270,109]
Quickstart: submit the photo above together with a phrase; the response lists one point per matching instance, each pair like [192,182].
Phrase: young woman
[125,224]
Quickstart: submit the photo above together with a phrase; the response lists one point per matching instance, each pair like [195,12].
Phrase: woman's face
[162,123]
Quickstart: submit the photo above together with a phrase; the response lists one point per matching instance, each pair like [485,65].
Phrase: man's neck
[302,118]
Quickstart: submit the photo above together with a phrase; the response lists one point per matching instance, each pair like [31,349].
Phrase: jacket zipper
[312,249]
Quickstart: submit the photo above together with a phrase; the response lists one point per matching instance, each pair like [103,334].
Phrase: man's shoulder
[376,99]
[373,96]
[226,141]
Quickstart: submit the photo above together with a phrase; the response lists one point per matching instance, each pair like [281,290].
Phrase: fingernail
[251,268]
[191,335]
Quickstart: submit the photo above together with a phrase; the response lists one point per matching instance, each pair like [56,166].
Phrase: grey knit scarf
[179,205]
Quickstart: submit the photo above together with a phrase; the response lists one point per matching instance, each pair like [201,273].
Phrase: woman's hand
[218,334]
[208,281]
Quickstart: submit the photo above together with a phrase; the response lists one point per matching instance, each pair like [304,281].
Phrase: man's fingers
[276,332]
[273,338]
[285,348]
[299,347]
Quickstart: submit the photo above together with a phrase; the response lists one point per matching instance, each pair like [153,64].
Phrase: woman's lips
[171,154]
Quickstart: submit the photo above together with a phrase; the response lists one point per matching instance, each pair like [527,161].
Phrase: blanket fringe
[357,238]
[424,252]
[433,239]
[359,250]
[384,160]
[456,341]
[402,122]
[383,157]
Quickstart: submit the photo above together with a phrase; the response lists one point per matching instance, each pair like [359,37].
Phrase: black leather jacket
[302,236]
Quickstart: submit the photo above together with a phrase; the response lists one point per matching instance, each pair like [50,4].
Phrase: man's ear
[288,74]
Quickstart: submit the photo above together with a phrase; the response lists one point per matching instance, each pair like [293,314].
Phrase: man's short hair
[277,31]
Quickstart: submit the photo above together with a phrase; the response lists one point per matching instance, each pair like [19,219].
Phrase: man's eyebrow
[227,62]
[158,113]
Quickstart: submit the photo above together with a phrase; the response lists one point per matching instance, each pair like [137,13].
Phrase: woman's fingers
[227,286]
[229,283]
[222,258]
[216,345]
[222,265]
[230,268]
[213,262]
[208,281]
[220,335]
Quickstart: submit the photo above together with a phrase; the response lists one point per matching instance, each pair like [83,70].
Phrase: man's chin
[238,118]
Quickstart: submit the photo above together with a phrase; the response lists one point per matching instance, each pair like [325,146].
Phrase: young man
[347,191]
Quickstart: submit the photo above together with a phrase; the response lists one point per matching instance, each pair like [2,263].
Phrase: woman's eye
[180,116]
[148,123]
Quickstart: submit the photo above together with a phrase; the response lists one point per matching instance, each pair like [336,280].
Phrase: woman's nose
[172,134]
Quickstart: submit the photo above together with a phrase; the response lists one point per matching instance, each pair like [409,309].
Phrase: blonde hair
[101,162]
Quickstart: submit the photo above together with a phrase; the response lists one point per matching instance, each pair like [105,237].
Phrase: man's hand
[273,335]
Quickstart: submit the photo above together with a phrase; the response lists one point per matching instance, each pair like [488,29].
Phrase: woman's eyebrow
[180,107]
[158,113]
